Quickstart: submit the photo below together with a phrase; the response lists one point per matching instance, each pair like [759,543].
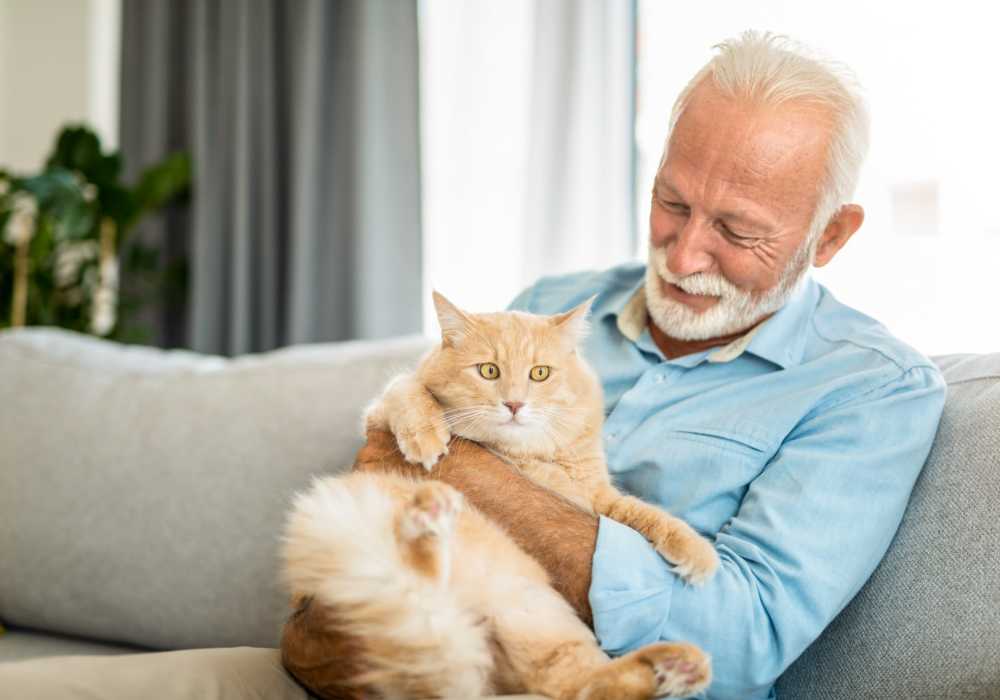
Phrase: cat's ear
[573,323]
[453,321]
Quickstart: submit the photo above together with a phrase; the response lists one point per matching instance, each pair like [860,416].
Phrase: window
[925,262]
[526,144]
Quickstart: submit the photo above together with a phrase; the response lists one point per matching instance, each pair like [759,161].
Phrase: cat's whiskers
[556,419]
[470,425]
[561,410]
[461,412]
[456,417]
[468,419]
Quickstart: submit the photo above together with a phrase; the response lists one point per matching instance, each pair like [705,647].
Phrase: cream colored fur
[444,601]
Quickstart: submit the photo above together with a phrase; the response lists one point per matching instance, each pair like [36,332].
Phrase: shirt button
[660,379]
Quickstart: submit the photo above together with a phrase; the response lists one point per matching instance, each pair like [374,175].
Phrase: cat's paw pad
[424,446]
[679,670]
[432,510]
[694,558]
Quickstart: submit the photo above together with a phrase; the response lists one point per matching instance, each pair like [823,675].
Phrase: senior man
[740,394]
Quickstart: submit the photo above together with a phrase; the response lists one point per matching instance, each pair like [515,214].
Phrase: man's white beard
[736,309]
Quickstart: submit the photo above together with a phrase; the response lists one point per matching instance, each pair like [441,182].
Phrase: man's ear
[453,320]
[842,226]
[573,323]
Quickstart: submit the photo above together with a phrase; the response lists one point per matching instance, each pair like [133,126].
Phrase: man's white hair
[771,69]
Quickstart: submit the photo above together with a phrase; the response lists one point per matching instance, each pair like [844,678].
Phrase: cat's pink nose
[514,406]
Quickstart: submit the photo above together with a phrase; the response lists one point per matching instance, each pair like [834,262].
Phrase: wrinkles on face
[769,252]
[748,177]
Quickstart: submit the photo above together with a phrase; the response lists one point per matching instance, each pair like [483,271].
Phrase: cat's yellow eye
[539,373]
[488,370]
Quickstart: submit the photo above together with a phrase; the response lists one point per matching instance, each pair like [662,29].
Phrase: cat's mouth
[514,422]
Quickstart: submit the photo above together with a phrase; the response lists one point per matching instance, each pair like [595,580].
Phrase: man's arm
[558,534]
[808,534]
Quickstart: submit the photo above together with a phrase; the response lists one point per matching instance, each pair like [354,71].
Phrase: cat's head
[513,380]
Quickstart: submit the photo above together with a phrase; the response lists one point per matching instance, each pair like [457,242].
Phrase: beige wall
[58,63]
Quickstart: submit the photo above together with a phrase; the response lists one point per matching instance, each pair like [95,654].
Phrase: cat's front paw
[425,444]
[694,558]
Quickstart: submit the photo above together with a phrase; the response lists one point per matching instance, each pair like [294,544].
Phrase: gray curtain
[302,118]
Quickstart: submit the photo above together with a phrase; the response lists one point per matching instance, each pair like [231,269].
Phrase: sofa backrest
[143,492]
[927,624]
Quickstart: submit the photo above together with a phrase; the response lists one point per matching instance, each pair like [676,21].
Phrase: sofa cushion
[927,624]
[18,644]
[143,492]
[240,673]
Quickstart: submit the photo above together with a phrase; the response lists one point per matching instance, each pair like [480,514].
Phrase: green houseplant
[63,233]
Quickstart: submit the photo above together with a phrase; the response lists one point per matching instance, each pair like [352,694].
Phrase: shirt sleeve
[811,529]
[523,301]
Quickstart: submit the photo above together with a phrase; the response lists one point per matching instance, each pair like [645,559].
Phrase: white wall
[58,64]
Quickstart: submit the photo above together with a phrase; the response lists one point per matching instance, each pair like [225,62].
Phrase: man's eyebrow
[742,217]
[747,220]
[659,185]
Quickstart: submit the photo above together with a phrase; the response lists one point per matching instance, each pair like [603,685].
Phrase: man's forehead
[768,155]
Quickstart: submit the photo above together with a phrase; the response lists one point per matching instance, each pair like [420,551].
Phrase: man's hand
[559,535]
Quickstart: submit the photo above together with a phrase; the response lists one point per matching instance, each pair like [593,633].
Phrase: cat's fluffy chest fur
[517,384]
[575,476]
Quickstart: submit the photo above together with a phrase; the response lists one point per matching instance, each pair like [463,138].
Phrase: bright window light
[925,261]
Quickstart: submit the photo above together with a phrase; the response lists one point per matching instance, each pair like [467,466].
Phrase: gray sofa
[142,493]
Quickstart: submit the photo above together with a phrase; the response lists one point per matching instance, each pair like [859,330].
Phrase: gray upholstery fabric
[927,624]
[240,673]
[18,644]
[142,493]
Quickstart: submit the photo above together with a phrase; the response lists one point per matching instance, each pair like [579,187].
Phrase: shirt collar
[780,339]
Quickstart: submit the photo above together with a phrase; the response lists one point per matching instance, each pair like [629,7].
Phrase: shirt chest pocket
[698,470]
[721,441]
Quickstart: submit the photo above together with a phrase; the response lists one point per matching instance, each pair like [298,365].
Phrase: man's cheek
[660,228]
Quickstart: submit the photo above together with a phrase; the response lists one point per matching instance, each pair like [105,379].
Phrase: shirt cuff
[630,589]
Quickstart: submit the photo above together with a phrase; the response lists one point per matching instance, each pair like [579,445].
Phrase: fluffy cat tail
[340,549]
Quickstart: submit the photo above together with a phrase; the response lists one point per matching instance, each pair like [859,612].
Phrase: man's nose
[689,251]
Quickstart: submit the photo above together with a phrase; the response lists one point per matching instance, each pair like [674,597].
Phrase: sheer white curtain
[527,143]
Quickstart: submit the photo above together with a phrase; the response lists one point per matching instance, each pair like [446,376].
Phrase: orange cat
[444,602]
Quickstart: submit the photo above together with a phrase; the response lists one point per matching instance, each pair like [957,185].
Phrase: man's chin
[681,322]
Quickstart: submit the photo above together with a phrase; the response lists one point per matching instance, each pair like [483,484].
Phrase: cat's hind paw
[660,670]
[679,670]
[432,511]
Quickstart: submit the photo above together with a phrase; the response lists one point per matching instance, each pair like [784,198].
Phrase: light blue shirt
[794,449]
